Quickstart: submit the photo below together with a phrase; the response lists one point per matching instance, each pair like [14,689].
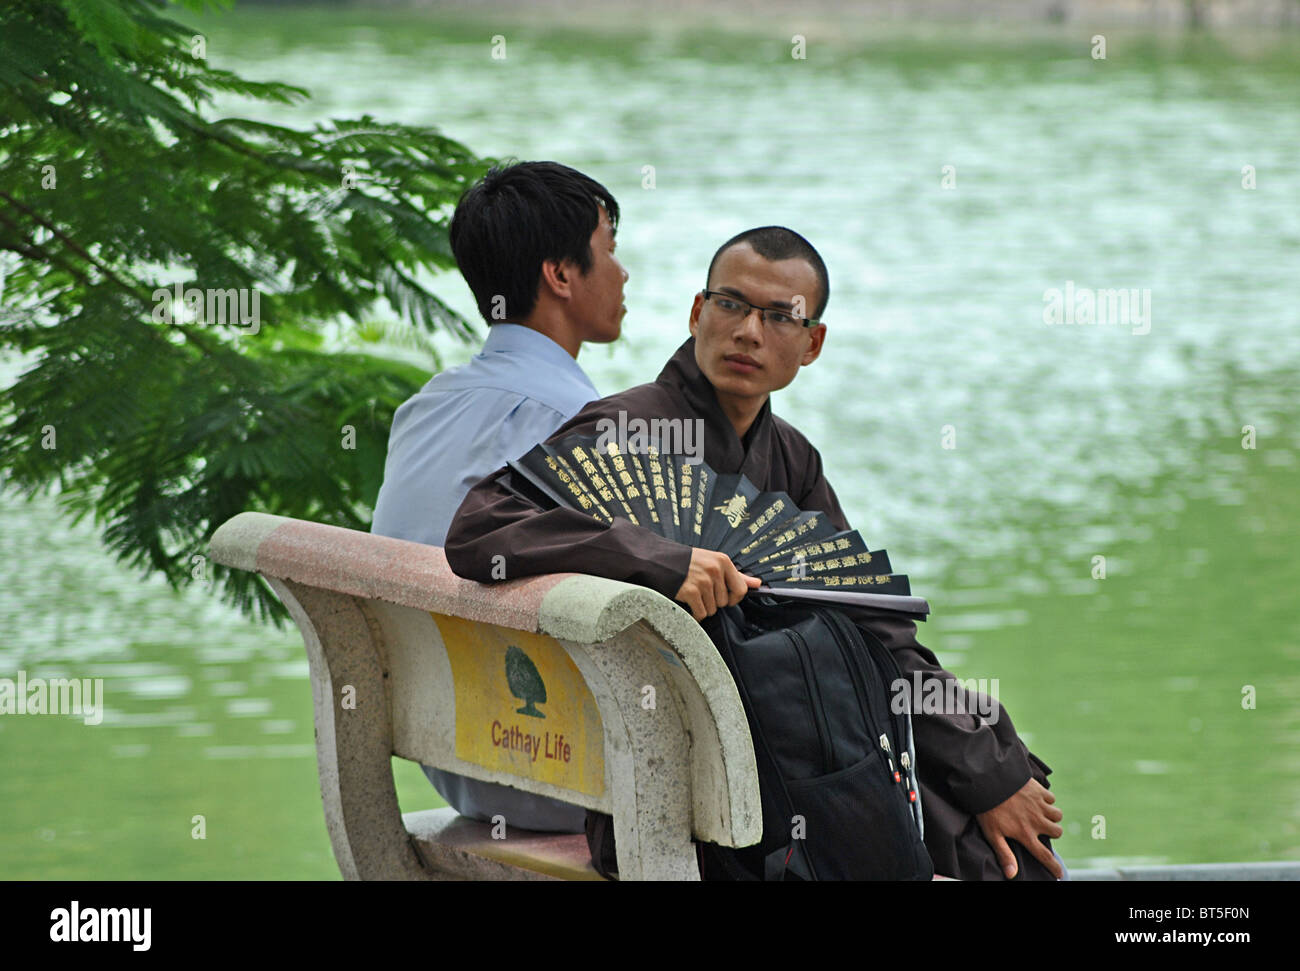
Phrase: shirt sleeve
[529,421]
[976,762]
[496,535]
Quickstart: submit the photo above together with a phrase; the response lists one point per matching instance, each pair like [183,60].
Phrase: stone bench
[600,693]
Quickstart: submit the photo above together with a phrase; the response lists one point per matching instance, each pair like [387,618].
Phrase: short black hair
[516,217]
[779,243]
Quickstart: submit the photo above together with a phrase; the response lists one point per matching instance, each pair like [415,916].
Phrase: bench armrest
[619,634]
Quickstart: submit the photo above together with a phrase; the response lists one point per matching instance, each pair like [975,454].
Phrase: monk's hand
[712,581]
[1022,818]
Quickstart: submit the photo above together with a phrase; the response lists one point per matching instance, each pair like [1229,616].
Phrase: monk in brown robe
[985,801]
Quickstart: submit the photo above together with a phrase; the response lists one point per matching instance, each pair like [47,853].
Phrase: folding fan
[795,553]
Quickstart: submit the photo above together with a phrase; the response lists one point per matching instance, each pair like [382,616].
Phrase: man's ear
[818,335]
[555,278]
[695,314]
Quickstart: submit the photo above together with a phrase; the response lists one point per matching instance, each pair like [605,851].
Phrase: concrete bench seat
[603,694]
[455,845]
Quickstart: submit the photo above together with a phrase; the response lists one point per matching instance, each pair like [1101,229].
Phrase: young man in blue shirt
[535,243]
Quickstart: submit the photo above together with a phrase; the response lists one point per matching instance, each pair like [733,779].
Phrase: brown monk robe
[966,765]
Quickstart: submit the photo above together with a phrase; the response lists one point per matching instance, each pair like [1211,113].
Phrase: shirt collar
[506,338]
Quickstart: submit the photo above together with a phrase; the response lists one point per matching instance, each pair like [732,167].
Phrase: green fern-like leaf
[114,187]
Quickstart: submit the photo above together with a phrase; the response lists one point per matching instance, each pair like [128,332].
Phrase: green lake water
[1165,696]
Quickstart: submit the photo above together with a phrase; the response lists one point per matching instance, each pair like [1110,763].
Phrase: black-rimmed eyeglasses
[782,322]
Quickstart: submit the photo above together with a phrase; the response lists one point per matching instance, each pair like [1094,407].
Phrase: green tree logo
[525,682]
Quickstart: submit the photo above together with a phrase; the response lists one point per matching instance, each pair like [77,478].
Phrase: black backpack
[836,764]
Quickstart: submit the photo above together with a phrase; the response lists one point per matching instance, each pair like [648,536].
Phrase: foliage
[114,185]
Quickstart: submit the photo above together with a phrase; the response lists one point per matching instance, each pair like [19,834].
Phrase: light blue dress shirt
[464,424]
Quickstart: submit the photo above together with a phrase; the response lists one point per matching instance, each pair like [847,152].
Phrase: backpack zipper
[814,696]
[906,760]
[859,688]
[899,721]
